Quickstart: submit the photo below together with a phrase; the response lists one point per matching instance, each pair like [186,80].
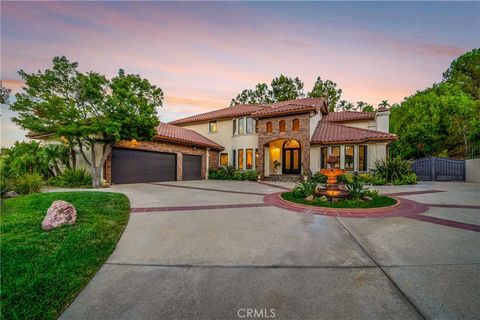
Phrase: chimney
[382,119]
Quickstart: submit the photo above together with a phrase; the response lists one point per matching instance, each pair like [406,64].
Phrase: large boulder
[59,213]
[11,194]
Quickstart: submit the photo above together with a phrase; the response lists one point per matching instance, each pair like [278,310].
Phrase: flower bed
[377,201]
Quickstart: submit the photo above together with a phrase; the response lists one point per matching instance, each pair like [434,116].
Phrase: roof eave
[370,140]
[273,115]
[189,143]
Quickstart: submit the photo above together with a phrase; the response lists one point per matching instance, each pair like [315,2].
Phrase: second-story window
[212,126]
[234,126]
[296,125]
[281,126]
[249,125]
[241,126]
[269,127]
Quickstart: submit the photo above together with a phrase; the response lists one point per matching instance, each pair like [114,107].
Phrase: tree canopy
[4,94]
[443,119]
[282,88]
[285,88]
[87,109]
[465,73]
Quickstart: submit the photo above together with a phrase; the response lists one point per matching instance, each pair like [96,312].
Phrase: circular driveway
[205,249]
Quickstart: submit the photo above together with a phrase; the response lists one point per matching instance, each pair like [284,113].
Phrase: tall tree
[328,90]
[282,88]
[344,105]
[465,72]
[88,109]
[260,95]
[364,107]
[441,119]
[4,94]
[285,88]
[384,104]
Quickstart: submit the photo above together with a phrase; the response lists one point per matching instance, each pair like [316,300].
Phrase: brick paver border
[403,206]
[204,207]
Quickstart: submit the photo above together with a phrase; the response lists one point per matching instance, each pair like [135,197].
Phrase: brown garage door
[191,167]
[134,166]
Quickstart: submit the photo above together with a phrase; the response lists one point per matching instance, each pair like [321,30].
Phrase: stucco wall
[472,168]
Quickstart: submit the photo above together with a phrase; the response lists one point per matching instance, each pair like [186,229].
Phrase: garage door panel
[191,167]
[135,166]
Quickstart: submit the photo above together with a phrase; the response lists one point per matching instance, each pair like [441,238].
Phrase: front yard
[42,272]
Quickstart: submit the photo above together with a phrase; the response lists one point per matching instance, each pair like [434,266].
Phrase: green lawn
[376,202]
[43,271]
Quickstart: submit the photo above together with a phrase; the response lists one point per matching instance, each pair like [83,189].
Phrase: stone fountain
[333,191]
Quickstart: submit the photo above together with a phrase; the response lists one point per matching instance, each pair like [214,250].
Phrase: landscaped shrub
[319,178]
[304,188]
[230,173]
[74,178]
[356,188]
[366,177]
[250,175]
[379,181]
[408,179]
[213,174]
[392,169]
[26,183]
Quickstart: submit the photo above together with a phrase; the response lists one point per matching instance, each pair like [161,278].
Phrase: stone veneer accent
[168,147]
[302,136]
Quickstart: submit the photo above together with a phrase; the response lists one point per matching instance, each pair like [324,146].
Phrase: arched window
[281,126]
[296,125]
[269,127]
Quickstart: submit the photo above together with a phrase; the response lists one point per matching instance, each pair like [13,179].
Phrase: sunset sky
[203,54]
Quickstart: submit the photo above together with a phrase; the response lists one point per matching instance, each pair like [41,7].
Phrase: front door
[291,163]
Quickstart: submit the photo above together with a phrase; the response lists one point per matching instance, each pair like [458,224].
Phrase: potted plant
[276,164]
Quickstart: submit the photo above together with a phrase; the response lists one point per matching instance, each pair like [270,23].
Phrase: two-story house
[293,137]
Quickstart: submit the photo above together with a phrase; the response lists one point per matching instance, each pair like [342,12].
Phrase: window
[323,157]
[241,126]
[224,159]
[336,153]
[362,158]
[269,127]
[212,126]
[349,156]
[249,125]
[249,162]
[234,158]
[240,159]
[296,125]
[234,126]
[281,125]
[256,158]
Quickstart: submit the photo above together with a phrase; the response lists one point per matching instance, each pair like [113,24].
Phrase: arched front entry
[291,156]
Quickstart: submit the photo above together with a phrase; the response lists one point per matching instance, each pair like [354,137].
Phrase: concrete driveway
[215,250]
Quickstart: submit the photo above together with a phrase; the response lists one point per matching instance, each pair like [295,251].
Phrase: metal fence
[439,169]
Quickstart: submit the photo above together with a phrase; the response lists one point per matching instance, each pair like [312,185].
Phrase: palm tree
[384,104]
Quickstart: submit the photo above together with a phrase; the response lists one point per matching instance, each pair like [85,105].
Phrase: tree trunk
[73,157]
[96,177]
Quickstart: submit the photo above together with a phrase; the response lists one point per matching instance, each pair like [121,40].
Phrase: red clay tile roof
[173,133]
[225,113]
[292,107]
[332,133]
[259,110]
[344,116]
